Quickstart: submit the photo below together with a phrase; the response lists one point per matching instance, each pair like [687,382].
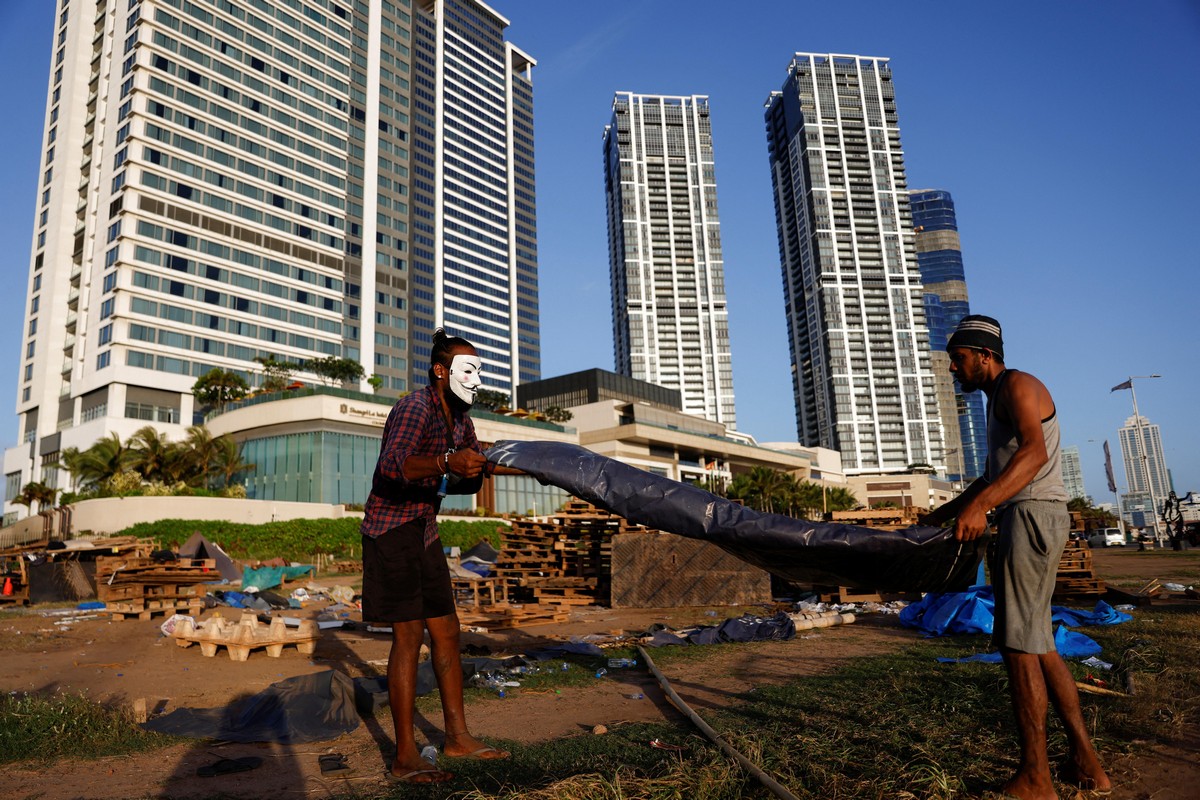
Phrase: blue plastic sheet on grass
[973,611]
[1103,614]
[269,577]
[1068,643]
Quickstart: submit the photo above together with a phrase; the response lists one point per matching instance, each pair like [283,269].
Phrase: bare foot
[420,775]
[1030,787]
[414,769]
[1089,775]
[464,745]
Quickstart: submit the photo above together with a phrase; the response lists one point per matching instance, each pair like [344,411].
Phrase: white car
[1107,537]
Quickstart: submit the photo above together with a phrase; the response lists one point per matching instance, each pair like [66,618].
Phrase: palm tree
[36,493]
[150,450]
[69,460]
[204,452]
[228,461]
[178,464]
[104,459]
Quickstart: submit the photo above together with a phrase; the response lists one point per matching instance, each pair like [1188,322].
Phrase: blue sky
[1066,131]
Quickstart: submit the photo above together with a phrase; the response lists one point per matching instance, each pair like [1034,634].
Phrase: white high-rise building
[670,322]
[852,289]
[284,179]
[1072,472]
[1148,474]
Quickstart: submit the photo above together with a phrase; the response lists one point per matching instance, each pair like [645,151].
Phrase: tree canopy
[218,387]
[334,370]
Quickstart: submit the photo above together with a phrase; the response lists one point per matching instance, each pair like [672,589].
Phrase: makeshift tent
[917,559]
[198,546]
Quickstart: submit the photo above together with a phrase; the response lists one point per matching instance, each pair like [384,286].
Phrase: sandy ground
[118,662]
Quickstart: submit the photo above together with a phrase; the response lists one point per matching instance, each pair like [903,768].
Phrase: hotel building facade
[231,180]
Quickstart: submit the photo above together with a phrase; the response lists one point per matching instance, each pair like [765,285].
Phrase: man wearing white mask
[429,450]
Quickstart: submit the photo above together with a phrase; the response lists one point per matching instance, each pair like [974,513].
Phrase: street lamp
[1141,427]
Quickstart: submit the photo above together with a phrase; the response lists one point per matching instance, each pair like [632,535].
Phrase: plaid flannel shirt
[416,426]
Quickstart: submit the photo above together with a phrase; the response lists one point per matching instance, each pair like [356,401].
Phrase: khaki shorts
[1032,534]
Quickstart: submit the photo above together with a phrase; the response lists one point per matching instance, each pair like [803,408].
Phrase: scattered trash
[334,764]
[599,729]
[1096,663]
[1175,587]
[429,753]
[659,744]
[636,696]
[169,625]
[621,663]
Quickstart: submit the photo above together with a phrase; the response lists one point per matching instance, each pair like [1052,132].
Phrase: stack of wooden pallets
[565,559]
[143,587]
[1076,576]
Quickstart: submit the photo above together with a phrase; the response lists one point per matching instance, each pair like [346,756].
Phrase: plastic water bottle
[622,663]
[565,666]
[429,753]
[637,696]
[600,673]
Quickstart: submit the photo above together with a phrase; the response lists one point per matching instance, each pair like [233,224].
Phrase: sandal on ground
[228,766]
[334,764]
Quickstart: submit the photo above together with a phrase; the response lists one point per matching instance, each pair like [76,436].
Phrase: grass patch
[894,726]
[43,728]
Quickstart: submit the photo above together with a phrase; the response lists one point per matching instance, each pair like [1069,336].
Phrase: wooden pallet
[151,609]
[248,634]
[501,617]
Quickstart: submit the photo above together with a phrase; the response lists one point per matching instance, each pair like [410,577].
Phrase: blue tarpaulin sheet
[267,577]
[973,611]
[1068,643]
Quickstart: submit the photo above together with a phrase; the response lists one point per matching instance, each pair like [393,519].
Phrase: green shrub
[295,540]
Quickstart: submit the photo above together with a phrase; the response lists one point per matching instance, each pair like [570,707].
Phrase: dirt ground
[119,662]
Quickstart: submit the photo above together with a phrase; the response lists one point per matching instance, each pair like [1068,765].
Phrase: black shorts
[403,580]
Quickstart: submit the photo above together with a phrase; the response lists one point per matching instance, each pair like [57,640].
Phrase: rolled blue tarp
[916,559]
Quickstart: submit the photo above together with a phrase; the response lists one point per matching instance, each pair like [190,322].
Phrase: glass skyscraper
[859,345]
[939,257]
[1072,472]
[1145,466]
[289,179]
[670,322]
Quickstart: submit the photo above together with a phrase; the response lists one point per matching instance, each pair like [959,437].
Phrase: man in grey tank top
[1023,483]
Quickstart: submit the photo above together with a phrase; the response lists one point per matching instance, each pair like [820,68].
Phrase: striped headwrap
[978,333]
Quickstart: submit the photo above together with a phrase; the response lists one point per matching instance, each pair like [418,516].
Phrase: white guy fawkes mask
[464,377]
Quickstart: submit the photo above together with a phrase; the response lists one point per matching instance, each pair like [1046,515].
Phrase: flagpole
[1145,456]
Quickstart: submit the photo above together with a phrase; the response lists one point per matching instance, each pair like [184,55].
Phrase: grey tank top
[1002,444]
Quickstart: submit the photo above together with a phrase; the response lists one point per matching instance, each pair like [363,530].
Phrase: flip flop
[228,766]
[334,764]
[478,754]
[407,777]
